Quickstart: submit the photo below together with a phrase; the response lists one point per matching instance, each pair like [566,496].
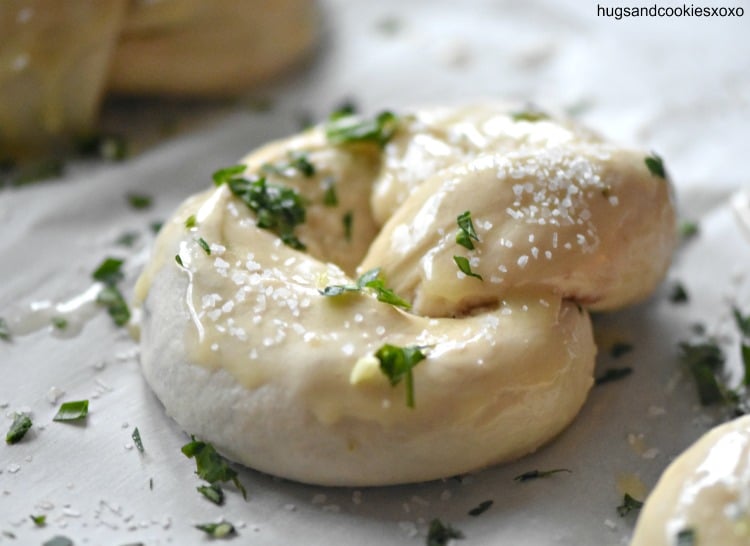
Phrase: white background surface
[678,86]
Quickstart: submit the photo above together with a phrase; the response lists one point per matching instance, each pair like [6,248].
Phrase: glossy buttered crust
[245,352]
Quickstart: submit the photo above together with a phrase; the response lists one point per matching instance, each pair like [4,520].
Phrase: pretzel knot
[399,299]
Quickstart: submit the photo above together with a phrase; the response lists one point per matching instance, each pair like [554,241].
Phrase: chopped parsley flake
[127,239]
[689,229]
[372,280]
[139,201]
[211,466]
[628,505]
[223,529]
[536,474]
[156,226]
[5,334]
[439,533]
[742,321]
[39,521]
[350,129]
[529,115]
[397,363]
[72,411]
[330,199]
[109,271]
[111,298]
[296,161]
[191,222]
[347,107]
[212,492]
[704,361]
[678,294]
[620,348]
[18,429]
[277,208]
[466,231]
[137,439]
[686,537]
[59,323]
[33,172]
[58,540]
[481,508]
[613,374]
[204,245]
[348,220]
[655,165]
[465,267]
[103,146]
[178,259]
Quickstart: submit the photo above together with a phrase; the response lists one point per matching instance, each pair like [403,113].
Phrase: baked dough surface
[245,352]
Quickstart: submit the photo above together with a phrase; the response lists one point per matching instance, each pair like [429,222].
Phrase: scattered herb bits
[613,374]
[204,245]
[628,505]
[529,115]
[212,492]
[655,165]
[39,521]
[465,267]
[686,537]
[191,222]
[59,323]
[536,474]
[222,529]
[348,222]
[330,198]
[111,298]
[211,466]
[137,439]
[440,534]
[18,429]
[72,411]
[620,348]
[481,508]
[109,271]
[372,280]
[397,364]
[678,294]
[351,129]
[689,229]
[139,201]
[5,334]
[704,361]
[466,232]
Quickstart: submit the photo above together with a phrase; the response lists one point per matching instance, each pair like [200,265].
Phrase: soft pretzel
[703,497]
[275,354]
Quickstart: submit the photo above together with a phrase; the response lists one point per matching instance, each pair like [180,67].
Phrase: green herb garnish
[156,226]
[35,172]
[191,222]
[5,334]
[742,321]
[655,165]
[58,540]
[18,429]
[465,267]
[529,115]
[370,279]
[111,298]
[277,208]
[39,521]
[439,533]
[211,466]
[103,146]
[330,199]
[397,363]
[348,221]
[217,530]
[296,161]
[481,508]
[613,374]
[127,239]
[139,201]
[536,474]
[704,361]
[137,439]
[204,245]
[350,129]
[178,259]
[59,323]
[678,294]
[628,505]
[689,229]
[466,231]
[686,537]
[72,411]
[620,348]
[109,271]
[212,492]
